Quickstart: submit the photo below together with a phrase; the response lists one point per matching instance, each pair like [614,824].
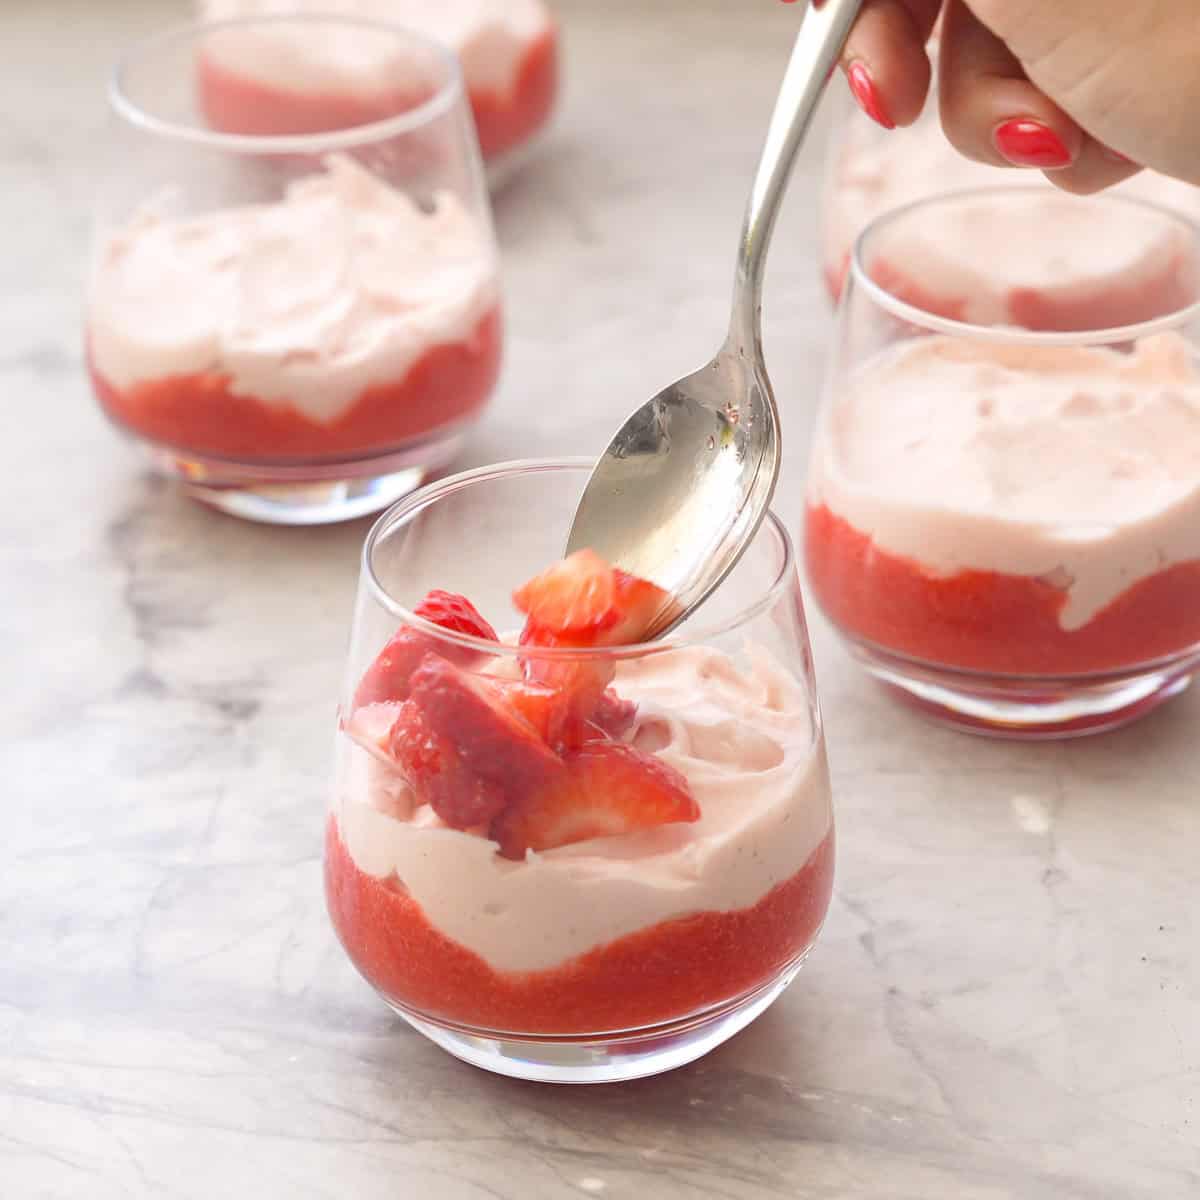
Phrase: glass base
[1030,709]
[614,1058]
[307,494]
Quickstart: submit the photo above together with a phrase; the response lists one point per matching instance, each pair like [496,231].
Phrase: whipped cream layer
[1077,466]
[490,38]
[305,303]
[1049,242]
[747,746]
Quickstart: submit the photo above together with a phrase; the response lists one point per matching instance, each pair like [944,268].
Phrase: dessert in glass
[300,326]
[557,852]
[1004,522]
[507,49]
[1072,257]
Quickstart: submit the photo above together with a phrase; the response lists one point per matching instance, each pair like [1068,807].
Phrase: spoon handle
[819,43]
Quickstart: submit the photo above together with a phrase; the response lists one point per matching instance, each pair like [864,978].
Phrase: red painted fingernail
[867,95]
[1031,144]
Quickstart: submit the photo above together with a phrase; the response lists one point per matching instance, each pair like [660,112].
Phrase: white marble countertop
[1005,1001]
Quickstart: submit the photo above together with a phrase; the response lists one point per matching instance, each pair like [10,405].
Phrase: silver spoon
[687,480]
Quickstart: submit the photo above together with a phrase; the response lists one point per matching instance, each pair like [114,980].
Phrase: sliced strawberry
[606,788]
[541,706]
[584,602]
[491,737]
[387,677]
[573,598]
[437,774]
[552,713]
[638,602]
[455,613]
[578,686]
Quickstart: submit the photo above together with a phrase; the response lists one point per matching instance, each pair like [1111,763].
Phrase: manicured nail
[867,95]
[1031,144]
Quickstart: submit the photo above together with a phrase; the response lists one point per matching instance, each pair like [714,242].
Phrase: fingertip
[1026,141]
[886,63]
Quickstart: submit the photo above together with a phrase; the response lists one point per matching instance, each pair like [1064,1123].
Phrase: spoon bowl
[684,485]
[687,480]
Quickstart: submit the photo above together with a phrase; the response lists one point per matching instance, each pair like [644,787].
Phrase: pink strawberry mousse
[343,320]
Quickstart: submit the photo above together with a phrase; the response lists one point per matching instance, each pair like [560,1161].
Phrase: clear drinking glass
[870,171]
[508,51]
[1003,515]
[612,957]
[302,321]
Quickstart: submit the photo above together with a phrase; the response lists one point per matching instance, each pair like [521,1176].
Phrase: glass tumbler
[1003,507]
[623,946]
[300,319]
[508,51]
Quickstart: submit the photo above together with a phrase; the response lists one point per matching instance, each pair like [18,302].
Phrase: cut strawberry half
[437,773]
[387,677]
[490,736]
[604,789]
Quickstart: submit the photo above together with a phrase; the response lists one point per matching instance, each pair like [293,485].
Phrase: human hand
[1088,90]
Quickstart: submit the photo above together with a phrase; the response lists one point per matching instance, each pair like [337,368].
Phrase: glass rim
[409,506]
[449,92]
[1013,334]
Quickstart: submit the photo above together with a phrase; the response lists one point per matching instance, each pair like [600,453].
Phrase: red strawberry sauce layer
[988,621]
[199,413]
[234,103]
[505,120]
[655,975]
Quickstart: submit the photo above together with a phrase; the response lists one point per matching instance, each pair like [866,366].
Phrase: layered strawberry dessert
[1013,509]
[552,843]
[1044,260]
[344,321]
[278,79]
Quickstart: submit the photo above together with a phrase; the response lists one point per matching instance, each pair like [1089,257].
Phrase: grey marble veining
[1004,1003]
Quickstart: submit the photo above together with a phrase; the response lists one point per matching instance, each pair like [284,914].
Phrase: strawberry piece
[551,712]
[455,613]
[387,677]
[436,772]
[490,736]
[613,716]
[574,597]
[578,686]
[605,789]
[584,602]
[541,706]
[638,602]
